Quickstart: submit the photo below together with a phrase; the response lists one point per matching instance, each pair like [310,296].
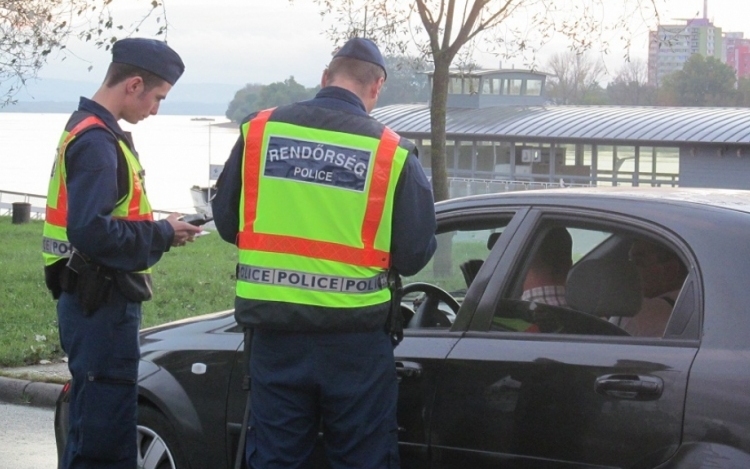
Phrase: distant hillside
[45,95]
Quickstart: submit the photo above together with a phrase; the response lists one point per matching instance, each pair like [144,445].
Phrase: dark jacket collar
[339,98]
[90,106]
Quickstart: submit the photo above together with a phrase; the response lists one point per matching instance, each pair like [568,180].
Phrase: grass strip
[189,281]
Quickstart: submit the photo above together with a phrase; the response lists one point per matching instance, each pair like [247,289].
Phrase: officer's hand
[183,232]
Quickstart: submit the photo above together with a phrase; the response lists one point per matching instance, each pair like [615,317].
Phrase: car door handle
[408,370]
[635,387]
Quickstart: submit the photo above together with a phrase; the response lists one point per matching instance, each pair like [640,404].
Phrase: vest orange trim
[58,216]
[367,256]
[253,144]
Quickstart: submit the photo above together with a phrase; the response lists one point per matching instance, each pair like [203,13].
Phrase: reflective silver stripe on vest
[56,247]
[308,281]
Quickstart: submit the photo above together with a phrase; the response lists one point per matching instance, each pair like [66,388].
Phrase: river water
[174,150]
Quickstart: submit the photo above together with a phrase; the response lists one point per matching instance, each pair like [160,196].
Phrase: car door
[464,239]
[579,394]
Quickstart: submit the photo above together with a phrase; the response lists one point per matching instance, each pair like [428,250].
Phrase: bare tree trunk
[443,262]
[438,104]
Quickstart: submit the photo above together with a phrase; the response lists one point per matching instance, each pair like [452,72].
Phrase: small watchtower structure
[491,88]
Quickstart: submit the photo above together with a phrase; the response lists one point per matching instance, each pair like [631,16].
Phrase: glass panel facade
[465,152]
[425,156]
[455,85]
[450,156]
[514,87]
[533,87]
[668,165]
[491,85]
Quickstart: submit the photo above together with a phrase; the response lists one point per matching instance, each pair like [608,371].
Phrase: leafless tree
[576,77]
[630,86]
[31,30]
[442,29]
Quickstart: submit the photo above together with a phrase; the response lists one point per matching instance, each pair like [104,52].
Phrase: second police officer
[323,203]
[100,240]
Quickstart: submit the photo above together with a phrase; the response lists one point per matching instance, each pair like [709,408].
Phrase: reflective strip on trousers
[310,281]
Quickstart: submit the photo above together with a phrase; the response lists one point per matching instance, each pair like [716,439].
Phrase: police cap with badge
[150,55]
[364,49]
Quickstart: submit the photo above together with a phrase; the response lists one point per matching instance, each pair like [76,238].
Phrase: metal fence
[38,204]
[8,198]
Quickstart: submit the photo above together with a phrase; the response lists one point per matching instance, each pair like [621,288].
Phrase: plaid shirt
[553,295]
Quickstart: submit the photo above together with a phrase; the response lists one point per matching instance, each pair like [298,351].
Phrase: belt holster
[395,322]
[93,283]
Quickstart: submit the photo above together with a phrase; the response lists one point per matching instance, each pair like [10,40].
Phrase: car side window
[462,248]
[575,278]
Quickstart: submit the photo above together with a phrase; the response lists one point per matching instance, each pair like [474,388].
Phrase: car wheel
[157,442]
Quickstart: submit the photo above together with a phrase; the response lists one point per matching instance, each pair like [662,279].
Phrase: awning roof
[593,124]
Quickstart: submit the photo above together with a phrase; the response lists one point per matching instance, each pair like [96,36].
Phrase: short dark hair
[119,72]
[364,73]
[555,251]
[661,252]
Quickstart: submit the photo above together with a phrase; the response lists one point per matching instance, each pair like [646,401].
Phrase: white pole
[208,188]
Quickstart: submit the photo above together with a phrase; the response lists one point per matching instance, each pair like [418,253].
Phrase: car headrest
[604,287]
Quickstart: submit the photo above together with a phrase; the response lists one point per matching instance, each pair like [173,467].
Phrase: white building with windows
[671,45]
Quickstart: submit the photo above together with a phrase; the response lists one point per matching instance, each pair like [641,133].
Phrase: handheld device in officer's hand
[196,219]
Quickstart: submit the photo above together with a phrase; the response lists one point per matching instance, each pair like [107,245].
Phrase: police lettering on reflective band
[57,247]
[319,163]
[306,280]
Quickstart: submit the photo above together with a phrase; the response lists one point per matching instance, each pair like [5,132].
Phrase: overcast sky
[263,41]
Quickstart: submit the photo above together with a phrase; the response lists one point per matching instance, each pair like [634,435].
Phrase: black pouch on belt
[93,284]
[395,322]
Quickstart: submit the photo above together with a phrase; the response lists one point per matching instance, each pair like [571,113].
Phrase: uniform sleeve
[130,246]
[413,239]
[226,202]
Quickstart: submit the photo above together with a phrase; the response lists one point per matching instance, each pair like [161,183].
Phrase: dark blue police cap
[362,49]
[150,55]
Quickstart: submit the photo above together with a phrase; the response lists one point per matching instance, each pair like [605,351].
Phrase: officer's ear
[134,85]
[324,78]
[375,88]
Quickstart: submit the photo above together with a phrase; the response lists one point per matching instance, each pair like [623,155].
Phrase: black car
[488,379]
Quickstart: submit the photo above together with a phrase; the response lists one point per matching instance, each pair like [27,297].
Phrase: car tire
[158,446]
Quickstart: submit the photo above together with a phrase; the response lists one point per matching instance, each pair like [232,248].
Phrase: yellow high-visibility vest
[315,214]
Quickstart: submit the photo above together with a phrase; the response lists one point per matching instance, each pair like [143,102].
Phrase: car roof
[738,200]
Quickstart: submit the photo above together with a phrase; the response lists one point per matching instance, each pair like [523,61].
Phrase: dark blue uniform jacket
[91,162]
[413,227]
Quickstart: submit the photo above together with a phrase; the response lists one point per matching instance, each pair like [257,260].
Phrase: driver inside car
[545,279]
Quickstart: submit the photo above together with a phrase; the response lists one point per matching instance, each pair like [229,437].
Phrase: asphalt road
[27,437]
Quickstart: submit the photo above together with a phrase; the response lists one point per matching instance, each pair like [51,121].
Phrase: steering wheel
[427,313]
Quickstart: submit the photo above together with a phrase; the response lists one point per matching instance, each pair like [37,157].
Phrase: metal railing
[459,187]
[39,203]
[8,198]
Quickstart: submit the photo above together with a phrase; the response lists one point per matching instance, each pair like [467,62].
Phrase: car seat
[604,288]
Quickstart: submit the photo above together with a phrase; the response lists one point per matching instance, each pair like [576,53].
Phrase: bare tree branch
[31,30]
[513,28]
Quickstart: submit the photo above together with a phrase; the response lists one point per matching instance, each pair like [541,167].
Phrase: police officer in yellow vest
[100,241]
[323,201]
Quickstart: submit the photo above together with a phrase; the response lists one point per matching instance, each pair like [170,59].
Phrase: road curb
[21,391]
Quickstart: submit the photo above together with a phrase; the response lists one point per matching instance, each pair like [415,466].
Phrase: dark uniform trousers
[346,380]
[103,354]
